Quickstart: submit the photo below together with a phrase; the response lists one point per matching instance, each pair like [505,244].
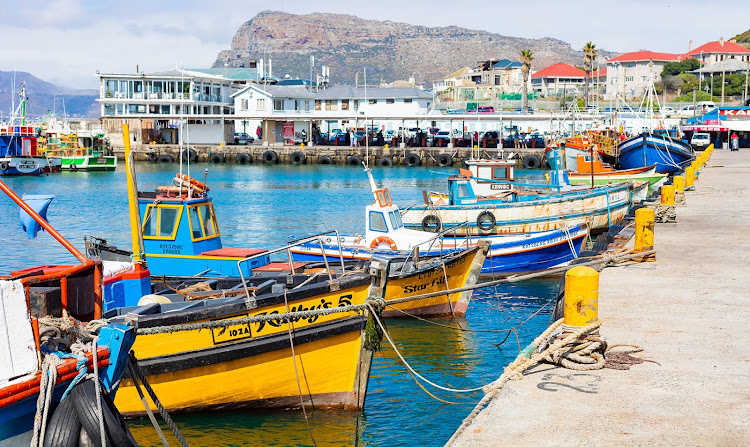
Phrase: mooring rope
[600,261]
[526,359]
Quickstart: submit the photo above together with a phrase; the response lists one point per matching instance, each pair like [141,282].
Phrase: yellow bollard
[679,183]
[581,298]
[690,178]
[644,233]
[386,146]
[667,195]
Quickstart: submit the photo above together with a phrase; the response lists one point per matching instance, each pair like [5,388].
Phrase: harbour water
[260,206]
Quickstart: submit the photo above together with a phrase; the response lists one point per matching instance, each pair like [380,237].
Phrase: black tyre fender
[614,230]
[432,223]
[73,167]
[217,158]
[63,428]
[605,237]
[297,158]
[412,160]
[153,156]
[599,247]
[270,157]
[444,160]
[189,154]
[486,221]
[353,160]
[166,159]
[385,161]
[84,398]
[546,163]
[325,160]
[531,162]
[243,158]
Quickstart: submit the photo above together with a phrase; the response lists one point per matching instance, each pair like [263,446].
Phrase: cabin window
[500,173]
[377,222]
[463,190]
[161,221]
[395,219]
[203,222]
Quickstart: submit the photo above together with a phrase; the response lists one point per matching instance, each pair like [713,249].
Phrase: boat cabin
[17,141]
[489,177]
[181,237]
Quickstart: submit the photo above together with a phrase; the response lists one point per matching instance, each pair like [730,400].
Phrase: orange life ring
[383,239]
[193,182]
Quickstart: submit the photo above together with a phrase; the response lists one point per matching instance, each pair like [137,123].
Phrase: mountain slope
[45,96]
[388,49]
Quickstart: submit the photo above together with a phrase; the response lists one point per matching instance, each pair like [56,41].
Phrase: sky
[67,41]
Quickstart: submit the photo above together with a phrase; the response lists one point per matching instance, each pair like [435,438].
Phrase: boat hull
[252,365]
[630,175]
[89,163]
[599,208]
[23,165]
[669,155]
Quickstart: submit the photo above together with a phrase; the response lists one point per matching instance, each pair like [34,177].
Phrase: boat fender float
[165,159]
[3,166]
[444,160]
[270,157]
[431,223]
[486,221]
[73,167]
[413,160]
[385,161]
[531,162]
[84,400]
[200,186]
[325,160]
[297,158]
[217,158]
[353,160]
[63,428]
[383,240]
[243,158]
[153,156]
[189,154]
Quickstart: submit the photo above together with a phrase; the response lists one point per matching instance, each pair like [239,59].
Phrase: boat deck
[688,310]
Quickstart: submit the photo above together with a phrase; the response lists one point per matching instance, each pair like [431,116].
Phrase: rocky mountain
[44,96]
[389,50]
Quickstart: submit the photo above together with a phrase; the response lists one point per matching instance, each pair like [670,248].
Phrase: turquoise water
[262,207]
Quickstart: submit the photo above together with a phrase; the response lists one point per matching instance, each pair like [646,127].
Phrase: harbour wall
[339,155]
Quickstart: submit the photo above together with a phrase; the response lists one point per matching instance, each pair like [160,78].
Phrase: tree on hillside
[526,57]
[590,52]
[743,39]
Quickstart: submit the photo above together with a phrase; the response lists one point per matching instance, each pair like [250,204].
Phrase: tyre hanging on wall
[297,158]
[412,160]
[217,158]
[444,160]
[325,160]
[531,162]
[165,159]
[353,160]
[270,157]
[153,156]
[385,161]
[243,158]
[190,155]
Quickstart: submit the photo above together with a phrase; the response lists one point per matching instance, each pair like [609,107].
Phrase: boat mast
[23,103]
[135,217]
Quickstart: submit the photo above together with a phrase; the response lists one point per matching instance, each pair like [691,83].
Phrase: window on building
[278,104]
[628,79]
[614,79]
[390,101]
[344,104]
[334,105]
[296,104]
[317,104]
[243,105]
[109,109]
[644,78]
[328,105]
[164,110]
[630,65]
[407,101]
[373,101]
[356,104]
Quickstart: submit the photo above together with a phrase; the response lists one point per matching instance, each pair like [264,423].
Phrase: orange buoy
[383,240]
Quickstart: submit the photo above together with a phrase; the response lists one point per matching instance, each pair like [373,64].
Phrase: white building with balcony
[628,75]
[156,104]
[257,105]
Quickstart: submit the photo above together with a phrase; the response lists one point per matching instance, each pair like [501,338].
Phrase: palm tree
[590,52]
[526,57]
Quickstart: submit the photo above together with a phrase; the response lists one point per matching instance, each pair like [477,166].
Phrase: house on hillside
[719,50]
[628,75]
[558,79]
[447,87]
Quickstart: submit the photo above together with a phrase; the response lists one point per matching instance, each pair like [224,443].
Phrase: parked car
[442,138]
[529,109]
[242,138]
[700,141]
[666,111]
[455,111]
[485,109]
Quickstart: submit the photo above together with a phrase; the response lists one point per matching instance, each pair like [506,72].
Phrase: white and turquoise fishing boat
[386,236]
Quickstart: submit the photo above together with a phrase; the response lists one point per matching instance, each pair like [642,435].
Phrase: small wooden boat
[668,154]
[42,313]
[605,174]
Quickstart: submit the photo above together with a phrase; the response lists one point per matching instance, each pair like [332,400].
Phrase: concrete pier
[689,311]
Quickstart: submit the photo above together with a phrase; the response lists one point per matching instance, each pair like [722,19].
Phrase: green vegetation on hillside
[743,39]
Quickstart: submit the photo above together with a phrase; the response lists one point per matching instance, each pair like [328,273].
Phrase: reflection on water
[261,207]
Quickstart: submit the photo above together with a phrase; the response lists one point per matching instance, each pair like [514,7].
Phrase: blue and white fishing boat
[386,236]
[667,153]
[43,373]
[514,210]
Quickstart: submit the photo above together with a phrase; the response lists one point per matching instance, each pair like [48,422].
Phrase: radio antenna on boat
[367,140]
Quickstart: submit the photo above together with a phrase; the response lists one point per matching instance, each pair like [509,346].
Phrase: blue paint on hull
[646,150]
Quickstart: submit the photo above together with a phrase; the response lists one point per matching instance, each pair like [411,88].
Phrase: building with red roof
[558,79]
[628,74]
[719,50]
